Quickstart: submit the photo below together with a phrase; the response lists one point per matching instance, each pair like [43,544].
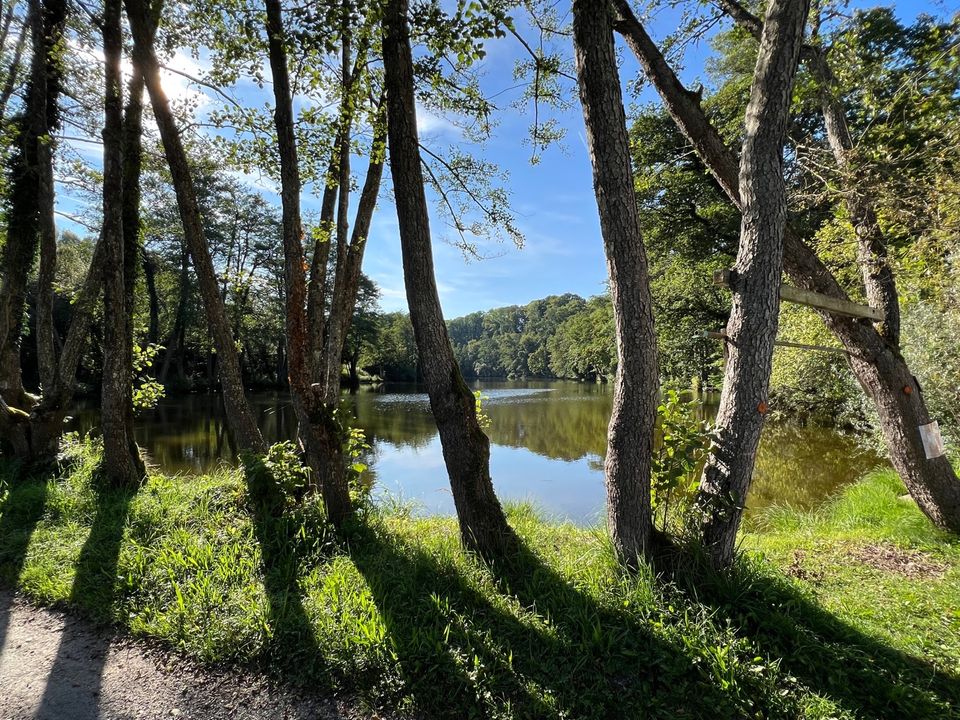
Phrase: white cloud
[431,124]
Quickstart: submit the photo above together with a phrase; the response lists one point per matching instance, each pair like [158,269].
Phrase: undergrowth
[397,614]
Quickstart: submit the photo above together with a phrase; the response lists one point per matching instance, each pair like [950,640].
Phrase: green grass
[399,616]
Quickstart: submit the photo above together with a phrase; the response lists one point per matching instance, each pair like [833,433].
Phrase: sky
[553,200]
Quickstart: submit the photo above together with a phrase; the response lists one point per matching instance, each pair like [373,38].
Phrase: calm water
[548,442]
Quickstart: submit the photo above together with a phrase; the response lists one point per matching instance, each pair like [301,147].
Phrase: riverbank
[847,612]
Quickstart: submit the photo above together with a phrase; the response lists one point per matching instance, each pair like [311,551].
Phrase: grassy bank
[849,612]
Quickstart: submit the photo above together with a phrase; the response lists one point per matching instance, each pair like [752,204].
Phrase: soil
[57,667]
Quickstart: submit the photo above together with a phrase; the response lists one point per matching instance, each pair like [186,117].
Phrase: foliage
[583,346]
[392,355]
[678,459]
[278,479]
[361,484]
[482,417]
[401,617]
[899,83]
[689,230]
[146,391]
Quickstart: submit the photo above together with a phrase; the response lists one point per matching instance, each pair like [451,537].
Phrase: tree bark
[153,300]
[30,432]
[633,418]
[28,184]
[752,328]
[46,342]
[175,345]
[878,278]
[347,275]
[316,414]
[466,449]
[317,288]
[240,419]
[879,368]
[122,466]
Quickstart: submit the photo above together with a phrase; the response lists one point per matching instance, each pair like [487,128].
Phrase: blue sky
[553,200]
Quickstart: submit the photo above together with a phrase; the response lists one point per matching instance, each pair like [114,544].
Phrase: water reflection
[548,443]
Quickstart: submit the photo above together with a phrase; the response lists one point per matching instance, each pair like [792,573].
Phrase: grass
[397,615]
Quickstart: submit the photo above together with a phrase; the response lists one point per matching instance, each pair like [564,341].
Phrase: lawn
[849,612]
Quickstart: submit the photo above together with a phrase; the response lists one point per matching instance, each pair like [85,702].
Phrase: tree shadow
[288,541]
[95,589]
[530,644]
[22,509]
[827,655]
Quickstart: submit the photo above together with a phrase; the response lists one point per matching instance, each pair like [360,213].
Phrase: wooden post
[835,306]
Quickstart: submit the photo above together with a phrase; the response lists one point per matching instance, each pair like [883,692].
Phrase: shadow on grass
[23,506]
[95,590]
[824,653]
[466,652]
[289,542]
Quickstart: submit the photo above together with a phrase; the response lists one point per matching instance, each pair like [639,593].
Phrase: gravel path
[57,667]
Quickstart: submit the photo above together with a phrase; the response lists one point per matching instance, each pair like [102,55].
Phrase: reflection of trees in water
[800,466]
[562,429]
[796,466]
[402,421]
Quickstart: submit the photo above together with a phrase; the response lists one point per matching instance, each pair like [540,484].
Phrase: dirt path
[56,667]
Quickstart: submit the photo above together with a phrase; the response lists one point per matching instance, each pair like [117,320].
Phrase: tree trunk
[878,279]
[752,328]
[347,279]
[240,418]
[466,449]
[333,206]
[633,418]
[879,368]
[32,431]
[354,374]
[46,340]
[27,181]
[150,279]
[122,465]
[318,420]
[177,341]
[316,291]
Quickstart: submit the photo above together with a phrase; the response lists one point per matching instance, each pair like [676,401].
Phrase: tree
[583,346]
[879,367]
[752,328]
[466,449]
[121,457]
[321,429]
[32,426]
[632,421]
[240,419]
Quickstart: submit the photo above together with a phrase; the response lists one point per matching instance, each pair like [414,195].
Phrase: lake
[548,440]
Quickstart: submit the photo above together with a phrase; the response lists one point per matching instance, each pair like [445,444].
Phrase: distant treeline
[561,336]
